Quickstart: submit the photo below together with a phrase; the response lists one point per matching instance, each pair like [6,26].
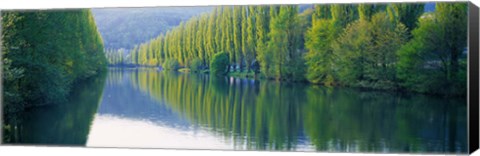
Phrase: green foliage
[227,34]
[342,14]
[406,13]
[434,60]
[249,51]
[283,44]
[171,64]
[123,28]
[319,58]
[239,32]
[45,53]
[389,37]
[195,65]
[12,99]
[146,54]
[262,28]
[338,44]
[366,52]
[278,43]
[352,48]
[219,63]
[115,57]
[321,12]
[366,11]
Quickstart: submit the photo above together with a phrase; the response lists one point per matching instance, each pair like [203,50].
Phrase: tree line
[393,46]
[126,27]
[45,53]
[115,57]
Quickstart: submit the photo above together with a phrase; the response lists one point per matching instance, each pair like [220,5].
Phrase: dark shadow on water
[62,124]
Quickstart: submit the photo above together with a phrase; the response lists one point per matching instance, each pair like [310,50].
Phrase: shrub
[219,63]
[170,64]
[195,65]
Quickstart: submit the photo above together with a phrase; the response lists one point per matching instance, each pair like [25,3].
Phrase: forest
[45,53]
[122,28]
[396,46]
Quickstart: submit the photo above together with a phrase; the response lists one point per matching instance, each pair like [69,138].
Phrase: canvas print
[360,77]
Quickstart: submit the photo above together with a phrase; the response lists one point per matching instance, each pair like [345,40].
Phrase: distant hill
[126,27]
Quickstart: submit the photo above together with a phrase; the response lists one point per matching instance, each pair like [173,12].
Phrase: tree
[210,46]
[366,11]
[366,52]
[250,54]
[352,47]
[432,60]
[278,43]
[321,12]
[171,64]
[201,39]
[227,35]
[195,65]
[45,53]
[406,13]
[388,38]
[319,58]
[238,33]
[262,28]
[338,44]
[219,63]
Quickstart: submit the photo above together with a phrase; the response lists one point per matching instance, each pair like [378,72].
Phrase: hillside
[126,27]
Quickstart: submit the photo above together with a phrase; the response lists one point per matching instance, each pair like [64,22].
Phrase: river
[148,108]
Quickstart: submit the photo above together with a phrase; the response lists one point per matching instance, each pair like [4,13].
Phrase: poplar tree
[262,29]
[251,37]
[238,33]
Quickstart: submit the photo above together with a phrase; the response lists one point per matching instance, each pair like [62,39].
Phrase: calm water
[153,109]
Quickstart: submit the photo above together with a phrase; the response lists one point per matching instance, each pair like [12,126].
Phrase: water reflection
[65,124]
[224,113]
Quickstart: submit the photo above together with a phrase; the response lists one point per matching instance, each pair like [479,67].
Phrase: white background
[63,151]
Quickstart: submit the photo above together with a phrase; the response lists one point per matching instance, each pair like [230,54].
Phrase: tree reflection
[64,124]
[269,115]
